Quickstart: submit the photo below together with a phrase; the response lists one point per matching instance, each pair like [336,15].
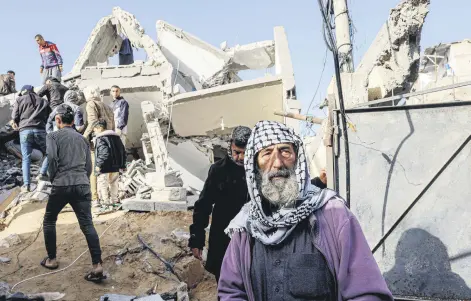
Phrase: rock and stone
[4,288]
[10,241]
[5,260]
[190,270]
[182,292]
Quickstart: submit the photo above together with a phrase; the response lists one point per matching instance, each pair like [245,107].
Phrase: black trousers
[79,197]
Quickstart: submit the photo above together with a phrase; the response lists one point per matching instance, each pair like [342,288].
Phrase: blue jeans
[30,138]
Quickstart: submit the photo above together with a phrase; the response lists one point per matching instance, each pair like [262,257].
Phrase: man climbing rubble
[51,59]
[7,83]
[29,116]
[110,159]
[70,99]
[226,189]
[96,110]
[275,254]
[69,169]
[54,92]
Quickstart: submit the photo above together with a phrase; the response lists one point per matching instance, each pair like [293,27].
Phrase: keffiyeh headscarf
[273,229]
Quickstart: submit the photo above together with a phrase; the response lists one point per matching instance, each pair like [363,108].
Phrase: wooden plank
[13,193]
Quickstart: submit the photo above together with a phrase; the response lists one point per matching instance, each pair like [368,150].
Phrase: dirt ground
[131,271]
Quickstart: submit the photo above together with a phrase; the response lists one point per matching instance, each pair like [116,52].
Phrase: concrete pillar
[159,151]
[284,67]
[342,33]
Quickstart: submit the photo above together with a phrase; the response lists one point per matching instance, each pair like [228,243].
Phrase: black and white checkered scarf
[273,229]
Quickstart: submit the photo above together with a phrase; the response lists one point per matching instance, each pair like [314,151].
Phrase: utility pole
[343,37]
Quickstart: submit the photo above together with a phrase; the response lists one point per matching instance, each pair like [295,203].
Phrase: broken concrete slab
[170,206]
[111,73]
[137,204]
[242,103]
[174,194]
[91,73]
[10,241]
[149,70]
[395,53]
[102,43]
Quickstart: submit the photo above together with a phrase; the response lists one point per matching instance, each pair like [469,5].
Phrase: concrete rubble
[391,64]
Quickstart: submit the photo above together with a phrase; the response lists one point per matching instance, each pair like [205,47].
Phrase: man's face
[12,75]
[115,93]
[276,176]
[40,41]
[237,154]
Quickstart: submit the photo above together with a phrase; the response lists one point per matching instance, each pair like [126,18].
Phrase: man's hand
[13,125]
[97,169]
[41,70]
[118,131]
[197,253]
[61,68]
[323,176]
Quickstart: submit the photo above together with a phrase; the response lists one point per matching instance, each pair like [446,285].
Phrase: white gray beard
[280,192]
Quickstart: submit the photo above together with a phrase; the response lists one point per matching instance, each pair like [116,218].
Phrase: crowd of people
[82,157]
[276,234]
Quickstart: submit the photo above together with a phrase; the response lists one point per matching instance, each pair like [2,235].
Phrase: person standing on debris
[294,241]
[110,159]
[29,115]
[226,189]
[54,92]
[69,169]
[70,99]
[96,110]
[121,113]
[7,83]
[126,55]
[51,59]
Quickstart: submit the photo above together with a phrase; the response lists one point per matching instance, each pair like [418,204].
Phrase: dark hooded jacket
[226,189]
[109,151]
[54,92]
[30,111]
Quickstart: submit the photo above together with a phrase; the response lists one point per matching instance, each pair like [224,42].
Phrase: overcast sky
[69,23]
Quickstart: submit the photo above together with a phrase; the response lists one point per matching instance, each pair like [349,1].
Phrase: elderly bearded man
[294,241]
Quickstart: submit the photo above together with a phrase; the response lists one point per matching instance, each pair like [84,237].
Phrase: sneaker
[41,177]
[96,204]
[25,188]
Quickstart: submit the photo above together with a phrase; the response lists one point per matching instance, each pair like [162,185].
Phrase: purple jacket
[338,236]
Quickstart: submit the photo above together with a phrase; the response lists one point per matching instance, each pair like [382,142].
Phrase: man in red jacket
[51,58]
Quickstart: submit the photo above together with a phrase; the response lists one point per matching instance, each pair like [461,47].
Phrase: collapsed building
[184,100]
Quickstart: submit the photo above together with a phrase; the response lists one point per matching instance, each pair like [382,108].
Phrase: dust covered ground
[131,270]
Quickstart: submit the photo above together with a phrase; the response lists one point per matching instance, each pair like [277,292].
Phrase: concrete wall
[136,124]
[203,112]
[395,154]
[102,43]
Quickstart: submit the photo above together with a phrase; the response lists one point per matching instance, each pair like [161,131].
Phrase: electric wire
[67,267]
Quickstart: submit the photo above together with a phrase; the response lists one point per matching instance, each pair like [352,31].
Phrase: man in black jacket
[226,189]
[110,159]
[29,115]
[54,91]
[69,169]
